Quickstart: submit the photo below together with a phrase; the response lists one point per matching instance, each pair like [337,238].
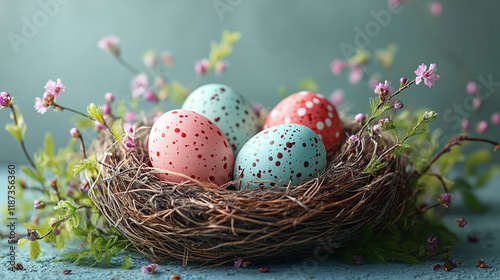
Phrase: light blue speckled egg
[228,109]
[282,153]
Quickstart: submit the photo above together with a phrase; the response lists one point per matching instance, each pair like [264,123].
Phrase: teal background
[282,42]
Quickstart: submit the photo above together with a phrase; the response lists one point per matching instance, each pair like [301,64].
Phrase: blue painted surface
[485,225]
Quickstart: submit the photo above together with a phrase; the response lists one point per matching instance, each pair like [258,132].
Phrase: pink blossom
[429,76]
[476,103]
[337,97]
[55,87]
[436,8]
[129,130]
[465,124]
[109,43]
[461,222]
[128,143]
[394,3]
[157,116]
[149,269]
[151,96]
[129,116]
[220,67]
[398,105]
[42,104]
[445,199]
[167,58]
[337,66]
[472,88]
[109,97]
[201,66]
[495,118]
[353,142]
[149,59]
[239,263]
[5,99]
[139,84]
[481,127]
[355,75]
[381,89]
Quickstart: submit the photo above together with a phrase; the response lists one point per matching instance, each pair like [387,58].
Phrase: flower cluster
[52,92]
[128,141]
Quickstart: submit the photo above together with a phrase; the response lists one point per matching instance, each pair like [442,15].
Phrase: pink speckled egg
[186,142]
[312,110]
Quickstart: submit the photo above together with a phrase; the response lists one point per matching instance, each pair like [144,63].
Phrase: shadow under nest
[212,225]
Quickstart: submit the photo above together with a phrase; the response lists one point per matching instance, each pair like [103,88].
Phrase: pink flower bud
[149,59]
[220,67]
[99,126]
[476,103]
[75,133]
[151,97]
[495,118]
[471,88]
[481,127]
[109,43]
[337,97]
[106,109]
[398,105]
[403,81]
[84,186]
[128,143]
[129,116]
[360,117]
[38,204]
[436,8]
[167,58]
[5,99]
[337,66]
[109,97]
[465,124]
[355,75]
[201,67]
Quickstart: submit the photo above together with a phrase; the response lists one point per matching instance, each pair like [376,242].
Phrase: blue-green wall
[282,42]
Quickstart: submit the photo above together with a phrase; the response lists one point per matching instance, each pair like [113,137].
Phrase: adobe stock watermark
[223,6]
[463,110]
[372,29]
[30,26]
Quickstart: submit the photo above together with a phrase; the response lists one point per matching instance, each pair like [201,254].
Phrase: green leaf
[35,249]
[59,242]
[127,262]
[472,202]
[48,145]
[308,84]
[475,159]
[22,242]
[107,257]
[70,255]
[367,232]
[95,112]
[111,242]
[98,257]
[395,231]
[90,162]
[487,175]
[117,130]
[30,173]
[98,243]
[15,131]
[79,232]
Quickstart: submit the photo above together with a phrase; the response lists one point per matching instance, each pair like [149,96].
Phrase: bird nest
[210,224]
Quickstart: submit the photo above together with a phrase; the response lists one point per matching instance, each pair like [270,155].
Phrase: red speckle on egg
[312,110]
[199,158]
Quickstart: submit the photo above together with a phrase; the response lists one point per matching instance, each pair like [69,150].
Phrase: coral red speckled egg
[186,142]
[312,110]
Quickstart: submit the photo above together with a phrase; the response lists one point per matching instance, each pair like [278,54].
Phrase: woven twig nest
[210,224]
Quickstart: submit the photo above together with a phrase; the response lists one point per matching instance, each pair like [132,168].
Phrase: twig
[440,179]
[60,222]
[57,106]
[22,140]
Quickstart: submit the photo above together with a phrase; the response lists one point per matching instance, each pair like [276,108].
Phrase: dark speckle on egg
[266,151]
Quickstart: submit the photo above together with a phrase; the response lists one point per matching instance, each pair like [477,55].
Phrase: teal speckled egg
[228,109]
[279,155]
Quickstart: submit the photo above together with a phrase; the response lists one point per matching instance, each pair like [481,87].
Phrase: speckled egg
[283,153]
[312,110]
[228,109]
[186,142]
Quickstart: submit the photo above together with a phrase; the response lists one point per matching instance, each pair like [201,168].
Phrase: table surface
[486,226]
